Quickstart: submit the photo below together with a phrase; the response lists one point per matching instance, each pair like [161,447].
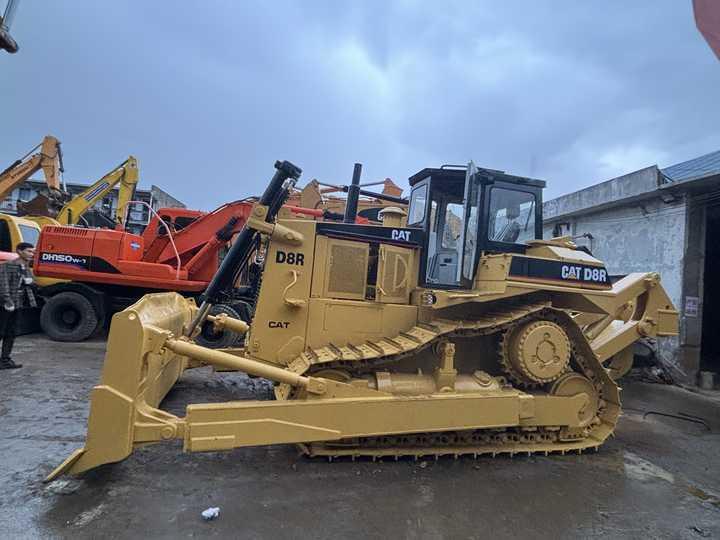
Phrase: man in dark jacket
[16,293]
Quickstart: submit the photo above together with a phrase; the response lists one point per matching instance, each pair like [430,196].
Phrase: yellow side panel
[397,274]
[343,322]
[278,329]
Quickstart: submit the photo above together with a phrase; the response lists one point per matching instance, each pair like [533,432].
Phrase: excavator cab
[468,211]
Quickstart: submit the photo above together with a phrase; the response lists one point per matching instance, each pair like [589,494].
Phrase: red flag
[707,19]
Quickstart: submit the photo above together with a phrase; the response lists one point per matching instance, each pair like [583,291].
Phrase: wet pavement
[658,478]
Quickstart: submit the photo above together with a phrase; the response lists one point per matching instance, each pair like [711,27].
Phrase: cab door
[470,234]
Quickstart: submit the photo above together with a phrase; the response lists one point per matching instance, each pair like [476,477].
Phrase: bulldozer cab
[467,211]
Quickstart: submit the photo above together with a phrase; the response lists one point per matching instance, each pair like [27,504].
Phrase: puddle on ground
[703,496]
[89,515]
[641,469]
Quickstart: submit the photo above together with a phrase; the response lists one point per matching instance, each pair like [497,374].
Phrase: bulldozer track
[498,319]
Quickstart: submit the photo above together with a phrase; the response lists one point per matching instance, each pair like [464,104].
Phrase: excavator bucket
[47,203]
[135,379]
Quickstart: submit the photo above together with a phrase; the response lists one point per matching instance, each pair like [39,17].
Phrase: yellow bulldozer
[453,330]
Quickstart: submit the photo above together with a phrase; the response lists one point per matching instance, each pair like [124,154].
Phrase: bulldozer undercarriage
[579,374]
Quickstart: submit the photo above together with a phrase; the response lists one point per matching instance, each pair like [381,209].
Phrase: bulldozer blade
[136,377]
[65,465]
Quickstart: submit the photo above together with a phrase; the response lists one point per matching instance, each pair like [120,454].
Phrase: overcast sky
[207,95]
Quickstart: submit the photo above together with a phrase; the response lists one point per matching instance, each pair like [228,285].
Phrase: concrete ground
[659,478]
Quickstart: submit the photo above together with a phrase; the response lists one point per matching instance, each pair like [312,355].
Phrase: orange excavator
[104,270]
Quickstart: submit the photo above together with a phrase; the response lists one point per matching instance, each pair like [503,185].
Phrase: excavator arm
[127,175]
[126,192]
[49,159]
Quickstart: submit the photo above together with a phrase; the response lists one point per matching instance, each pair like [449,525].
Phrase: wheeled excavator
[457,330]
[102,271]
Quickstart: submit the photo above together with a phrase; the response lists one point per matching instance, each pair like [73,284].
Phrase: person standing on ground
[16,293]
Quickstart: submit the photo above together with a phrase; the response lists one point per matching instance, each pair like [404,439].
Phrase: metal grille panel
[347,271]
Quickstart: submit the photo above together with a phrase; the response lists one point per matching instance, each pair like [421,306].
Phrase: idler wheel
[572,384]
[539,352]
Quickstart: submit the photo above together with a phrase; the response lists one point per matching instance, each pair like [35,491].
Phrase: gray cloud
[208,94]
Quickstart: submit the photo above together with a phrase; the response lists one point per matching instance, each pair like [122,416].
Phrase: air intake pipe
[353,191]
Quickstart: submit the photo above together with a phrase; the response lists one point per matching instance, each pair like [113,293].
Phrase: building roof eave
[637,185]
[701,182]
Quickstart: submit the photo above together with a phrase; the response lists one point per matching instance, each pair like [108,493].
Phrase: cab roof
[455,172]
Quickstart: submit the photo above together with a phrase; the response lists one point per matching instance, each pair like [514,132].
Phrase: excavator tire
[68,316]
[224,339]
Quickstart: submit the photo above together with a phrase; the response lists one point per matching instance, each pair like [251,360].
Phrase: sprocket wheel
[537,352]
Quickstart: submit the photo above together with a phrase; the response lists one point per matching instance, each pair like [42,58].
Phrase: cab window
[511,216]
[418,202]
[5,239]
[445,243]
[29,234]
[452,226]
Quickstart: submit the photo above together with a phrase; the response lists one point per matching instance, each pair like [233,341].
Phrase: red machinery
[707,19]
[106,270]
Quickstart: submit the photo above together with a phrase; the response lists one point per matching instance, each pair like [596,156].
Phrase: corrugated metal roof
[694,168]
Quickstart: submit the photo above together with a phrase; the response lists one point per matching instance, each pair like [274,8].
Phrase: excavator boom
[49,159]
[126,174]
